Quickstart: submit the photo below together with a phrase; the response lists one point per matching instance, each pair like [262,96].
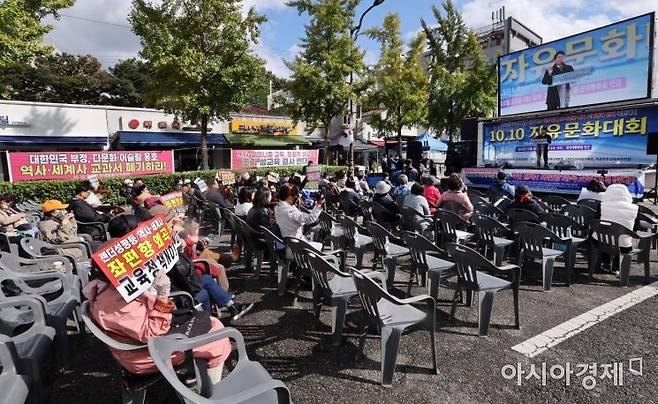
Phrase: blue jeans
[211,293]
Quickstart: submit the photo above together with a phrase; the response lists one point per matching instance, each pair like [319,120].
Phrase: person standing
[543,140]
[557,96]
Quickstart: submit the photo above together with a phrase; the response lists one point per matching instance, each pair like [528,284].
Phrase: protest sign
[226,177]
[132,262]
[203,187]
[174,200]
[313,173]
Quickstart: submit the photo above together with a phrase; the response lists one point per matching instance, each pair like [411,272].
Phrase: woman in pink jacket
[455,199]
[149,315]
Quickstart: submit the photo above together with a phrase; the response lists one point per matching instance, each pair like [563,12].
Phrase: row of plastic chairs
[35,304]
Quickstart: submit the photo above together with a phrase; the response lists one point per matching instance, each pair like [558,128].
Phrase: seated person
[455,199]
[84,212]
[59,226]
[523,200]
[10,219]
[221,195]
[245,201]
[383,197]
[152,203]
[350,194]
[290,219]
[261,214]
[363,183]
[431,193]
[416,201]
[402,189]
[500,187]
[595,190]
[149,315]
[617,206]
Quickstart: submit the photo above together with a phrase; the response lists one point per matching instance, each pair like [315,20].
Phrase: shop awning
[360,146]
[266,140]
[389,142]
[167,139]
[59,140]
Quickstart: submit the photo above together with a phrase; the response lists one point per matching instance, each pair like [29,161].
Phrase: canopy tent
[431,144]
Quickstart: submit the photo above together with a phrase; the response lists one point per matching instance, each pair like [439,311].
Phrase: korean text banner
[32,166]
[174,200]
[566,182]
[607,64]
[599,139]
[271,158]
[131,262]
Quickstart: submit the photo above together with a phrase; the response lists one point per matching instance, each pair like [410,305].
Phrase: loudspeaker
[415,151]
[652,143]
[469,129]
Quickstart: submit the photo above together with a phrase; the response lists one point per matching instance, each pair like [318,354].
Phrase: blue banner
[565,182]
[612,63]
[598,139]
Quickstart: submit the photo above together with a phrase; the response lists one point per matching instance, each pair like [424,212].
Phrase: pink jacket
[137,322]
[459,198]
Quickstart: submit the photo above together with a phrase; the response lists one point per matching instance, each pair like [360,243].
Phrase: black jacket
[84,212]
[183,276]
[530,205]
[259,216]
[552,94]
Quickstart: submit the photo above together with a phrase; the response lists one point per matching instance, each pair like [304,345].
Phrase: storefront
[29,126]
[145,129]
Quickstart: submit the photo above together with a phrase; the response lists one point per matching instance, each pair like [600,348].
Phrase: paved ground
[282,338]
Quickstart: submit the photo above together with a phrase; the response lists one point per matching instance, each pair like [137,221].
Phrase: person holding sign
[557,96]
[149,315]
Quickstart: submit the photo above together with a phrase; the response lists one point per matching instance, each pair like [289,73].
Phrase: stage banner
[131,262]
[611,63]
[567,182]
[271,158]
[606,139]
[33,166]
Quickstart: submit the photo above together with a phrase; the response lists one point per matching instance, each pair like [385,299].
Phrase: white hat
[187,181]
[128,181]
[382,188]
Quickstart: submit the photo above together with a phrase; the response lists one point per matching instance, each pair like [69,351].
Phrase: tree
[319,83]
[200,56]
[58,77]
[400,83]
[21,29]
[260,90]
[130,80]
[462,82]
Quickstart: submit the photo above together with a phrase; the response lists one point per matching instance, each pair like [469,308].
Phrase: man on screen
[557,96]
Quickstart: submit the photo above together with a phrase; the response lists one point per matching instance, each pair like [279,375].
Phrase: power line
[96,21]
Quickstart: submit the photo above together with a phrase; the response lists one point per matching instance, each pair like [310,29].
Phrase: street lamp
[354,33]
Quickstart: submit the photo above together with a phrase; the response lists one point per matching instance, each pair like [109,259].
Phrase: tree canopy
[400,82]
[200,56]
[462,81]
[21,28]
[328,55]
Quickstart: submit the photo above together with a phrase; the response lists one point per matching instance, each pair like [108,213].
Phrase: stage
[561,181]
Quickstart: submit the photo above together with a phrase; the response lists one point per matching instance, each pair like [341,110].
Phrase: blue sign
[615,138]
[612,63]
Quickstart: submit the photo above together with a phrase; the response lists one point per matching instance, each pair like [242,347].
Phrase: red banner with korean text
[131,262]
[271,158]
[33,166]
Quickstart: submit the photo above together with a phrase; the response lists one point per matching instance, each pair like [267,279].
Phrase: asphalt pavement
[280,335]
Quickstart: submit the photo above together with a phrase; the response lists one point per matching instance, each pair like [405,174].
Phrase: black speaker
[469,129]
[652,143]
[415,151]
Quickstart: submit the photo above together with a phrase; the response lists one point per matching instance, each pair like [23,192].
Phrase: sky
[112,40]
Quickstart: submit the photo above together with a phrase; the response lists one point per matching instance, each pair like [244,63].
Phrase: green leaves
[21,29]
[200,55]
[400,83]
[462,82]
[319,83]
